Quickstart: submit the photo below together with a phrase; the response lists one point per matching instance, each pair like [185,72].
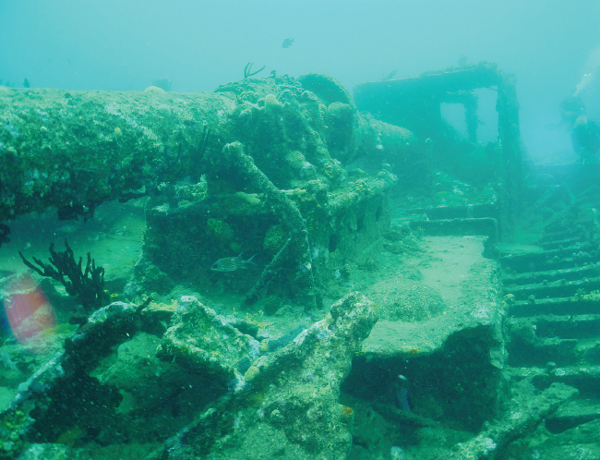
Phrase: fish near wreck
[231,264]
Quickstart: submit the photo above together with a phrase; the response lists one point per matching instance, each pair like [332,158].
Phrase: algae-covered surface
[456,291]
[256,297]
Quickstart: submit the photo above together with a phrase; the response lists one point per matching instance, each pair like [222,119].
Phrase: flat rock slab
[454,268]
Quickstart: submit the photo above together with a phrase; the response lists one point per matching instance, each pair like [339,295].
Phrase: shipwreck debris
[292,408]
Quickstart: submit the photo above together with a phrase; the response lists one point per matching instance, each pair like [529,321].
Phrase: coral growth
[86,286]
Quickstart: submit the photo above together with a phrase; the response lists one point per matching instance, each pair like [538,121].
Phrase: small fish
[231,264]
[60,329]
[26,83]
[391,75]
[287,43]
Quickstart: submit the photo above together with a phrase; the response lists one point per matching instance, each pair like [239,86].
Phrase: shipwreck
[361,313]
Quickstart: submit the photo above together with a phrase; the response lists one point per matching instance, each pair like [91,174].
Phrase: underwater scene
[300,230]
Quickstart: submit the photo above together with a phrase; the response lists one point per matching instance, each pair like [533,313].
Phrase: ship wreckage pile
[285,183]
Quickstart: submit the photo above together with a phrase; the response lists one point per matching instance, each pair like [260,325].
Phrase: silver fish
[231,264]
[287,43]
